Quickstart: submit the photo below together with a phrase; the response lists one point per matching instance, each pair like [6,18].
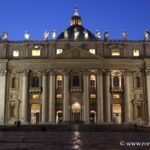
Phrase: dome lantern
[76,19]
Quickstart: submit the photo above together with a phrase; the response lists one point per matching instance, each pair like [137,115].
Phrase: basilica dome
[76,31]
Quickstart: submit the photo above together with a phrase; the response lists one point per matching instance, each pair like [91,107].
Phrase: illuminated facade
[76,77]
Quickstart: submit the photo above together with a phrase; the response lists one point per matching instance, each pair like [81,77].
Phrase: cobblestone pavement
[74,141]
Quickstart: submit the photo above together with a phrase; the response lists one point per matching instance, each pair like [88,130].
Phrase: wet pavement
[74,141]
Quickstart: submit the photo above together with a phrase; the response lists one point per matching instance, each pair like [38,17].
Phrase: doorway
[76,113]
[92,116]
[59,117]
[35,113]
[116,113]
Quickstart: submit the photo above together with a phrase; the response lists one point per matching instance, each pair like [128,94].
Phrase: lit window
[92,96]
[92,51]
[36,46]
[115,52]
[59,81]
[136,53]
[35,96]
[92,81]
[15,53]
[59,96]
[36,52]
[116,96]
[59,51]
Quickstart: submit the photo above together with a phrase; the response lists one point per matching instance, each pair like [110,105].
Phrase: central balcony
[35,89]
[75,89]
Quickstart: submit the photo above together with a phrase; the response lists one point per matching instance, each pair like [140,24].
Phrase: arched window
[76,80]
[35,81]
[59,81]
[137,82]
[92,81]
[116,82]
[14,82]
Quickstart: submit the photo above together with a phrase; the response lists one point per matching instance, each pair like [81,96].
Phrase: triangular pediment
[76,53]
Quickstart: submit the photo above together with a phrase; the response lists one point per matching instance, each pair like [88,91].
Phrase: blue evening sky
[35,16]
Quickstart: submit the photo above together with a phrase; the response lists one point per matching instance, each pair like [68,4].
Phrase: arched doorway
[92,116]
[76,112]
[116,113]
[59,117]
[35,113]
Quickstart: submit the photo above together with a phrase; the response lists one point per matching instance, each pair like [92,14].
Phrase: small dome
[76,26]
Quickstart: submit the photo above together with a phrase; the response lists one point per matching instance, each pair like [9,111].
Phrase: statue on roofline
[5,36]
[146,35]
[26,35]
[66,35]
[98,34]
[124,35]
[106,35]
[46,34]
[53,34]
[76,34]
[86,34]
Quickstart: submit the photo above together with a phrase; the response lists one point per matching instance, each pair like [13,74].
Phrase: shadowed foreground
[76,138]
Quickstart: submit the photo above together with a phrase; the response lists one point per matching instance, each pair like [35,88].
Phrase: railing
[35,89]
[116,89]
[76,89]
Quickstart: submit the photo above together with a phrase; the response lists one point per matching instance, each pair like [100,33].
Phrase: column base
[100,122]
[51,122]
[86,122]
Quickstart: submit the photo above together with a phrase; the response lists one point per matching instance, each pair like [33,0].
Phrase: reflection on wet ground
[74,141]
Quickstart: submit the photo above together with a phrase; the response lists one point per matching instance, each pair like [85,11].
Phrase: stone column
[148,95]
[66,112]
[86,97]
[24,117]
[107,97]
[2,95]
[127,97]
[100,115]
[44,97]
[52,97]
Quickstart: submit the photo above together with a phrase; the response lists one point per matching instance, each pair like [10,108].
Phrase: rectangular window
[92,96]
[115,52]
[136,53]
[36,52]
[59,96]
[15,53]
[116,96]
[59,51]
[35,96]
[92,51]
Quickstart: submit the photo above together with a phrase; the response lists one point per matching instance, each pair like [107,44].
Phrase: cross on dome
[76,13]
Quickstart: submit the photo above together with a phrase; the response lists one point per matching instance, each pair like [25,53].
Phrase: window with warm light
[59,81]
[115,52]
[36,52]
[136,53]
[116,96]
[59,96]
[35,96]
[92,81]
[15,53]
[92,51]
[92,96]
[59,51]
